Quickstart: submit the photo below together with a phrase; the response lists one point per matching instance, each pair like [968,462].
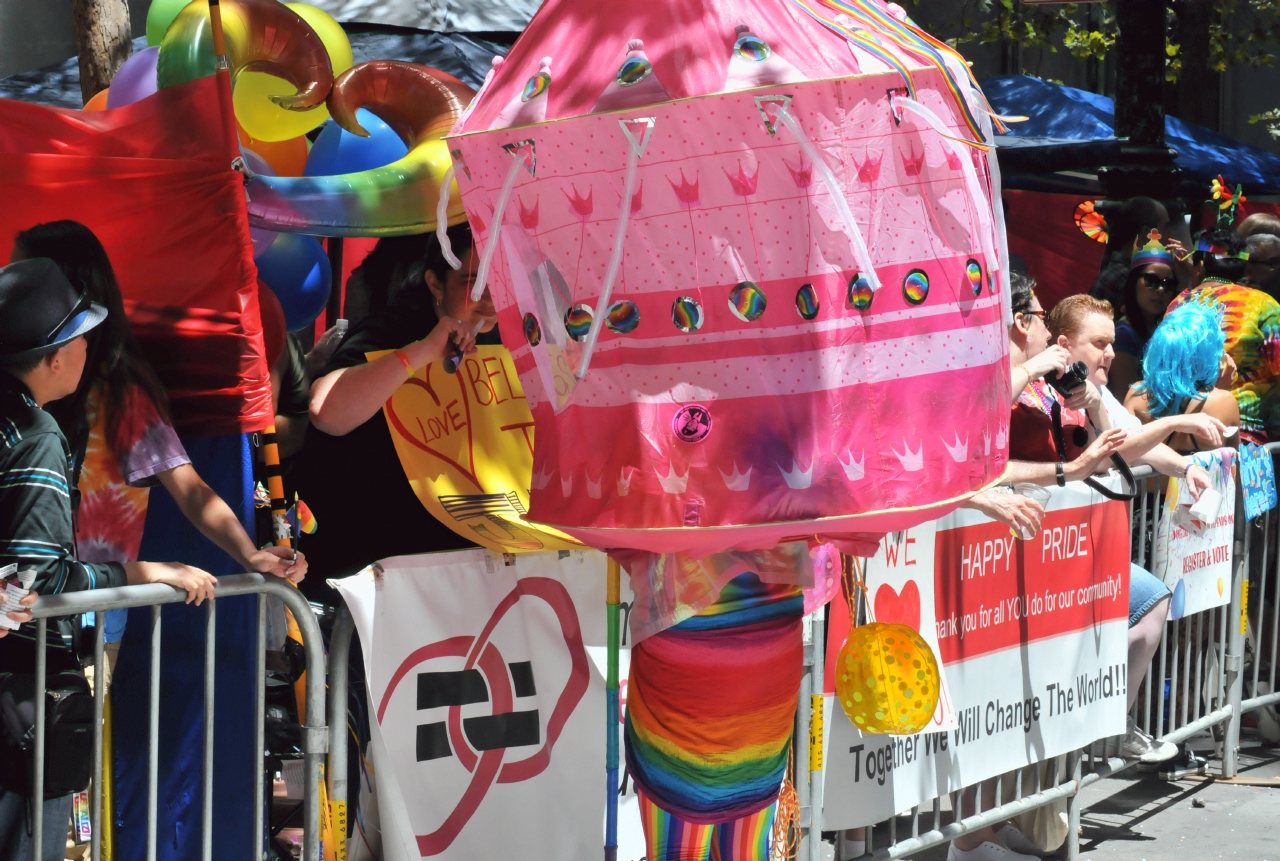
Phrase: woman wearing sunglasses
[1152,284]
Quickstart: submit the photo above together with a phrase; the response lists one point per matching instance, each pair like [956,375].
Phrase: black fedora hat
[40,311]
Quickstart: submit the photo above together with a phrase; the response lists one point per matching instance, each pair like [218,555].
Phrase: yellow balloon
[887,679]
[263,118]
[330,32]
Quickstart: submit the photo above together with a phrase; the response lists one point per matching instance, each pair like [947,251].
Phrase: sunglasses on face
[1040,314]
[1163,285]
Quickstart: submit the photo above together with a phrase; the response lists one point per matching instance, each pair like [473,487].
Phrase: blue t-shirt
[1127,340]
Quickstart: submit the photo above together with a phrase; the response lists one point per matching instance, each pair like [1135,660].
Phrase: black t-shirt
[365,509]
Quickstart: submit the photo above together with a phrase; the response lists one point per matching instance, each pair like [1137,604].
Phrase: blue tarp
[1059,116]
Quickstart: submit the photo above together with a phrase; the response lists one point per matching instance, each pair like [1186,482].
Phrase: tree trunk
[104,40]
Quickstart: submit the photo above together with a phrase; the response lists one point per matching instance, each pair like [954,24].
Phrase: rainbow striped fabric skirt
[711,704]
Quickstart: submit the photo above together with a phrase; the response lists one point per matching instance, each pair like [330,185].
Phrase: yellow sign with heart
[465,441]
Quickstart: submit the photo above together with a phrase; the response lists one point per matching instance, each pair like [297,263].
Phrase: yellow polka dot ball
[887,679]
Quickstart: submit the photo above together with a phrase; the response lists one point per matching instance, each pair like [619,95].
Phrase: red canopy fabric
[154,181]
[1042,231]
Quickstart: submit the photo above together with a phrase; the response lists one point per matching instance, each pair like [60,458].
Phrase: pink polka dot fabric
[816,412]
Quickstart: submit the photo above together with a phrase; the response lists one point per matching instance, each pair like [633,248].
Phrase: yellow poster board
[465,441]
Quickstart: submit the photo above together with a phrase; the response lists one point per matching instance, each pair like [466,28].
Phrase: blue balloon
[337,151]
[296,269]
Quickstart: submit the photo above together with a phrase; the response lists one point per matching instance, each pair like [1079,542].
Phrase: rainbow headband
[1153,252]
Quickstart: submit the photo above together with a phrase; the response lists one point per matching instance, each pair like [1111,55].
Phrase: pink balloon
[135,80]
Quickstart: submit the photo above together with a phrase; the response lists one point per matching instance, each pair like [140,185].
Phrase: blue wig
[1182,358]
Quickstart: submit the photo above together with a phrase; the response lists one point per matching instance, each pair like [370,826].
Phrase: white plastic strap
[860,252]
[442,218]
[986,231]
[495,228]
[634,150]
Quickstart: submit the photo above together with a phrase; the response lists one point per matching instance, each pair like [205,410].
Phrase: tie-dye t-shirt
[114,490]
[1251,321]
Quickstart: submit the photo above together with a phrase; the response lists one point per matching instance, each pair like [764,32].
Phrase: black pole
[1146,164]
[334,311]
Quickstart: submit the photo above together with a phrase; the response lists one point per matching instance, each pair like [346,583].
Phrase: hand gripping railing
[314,740]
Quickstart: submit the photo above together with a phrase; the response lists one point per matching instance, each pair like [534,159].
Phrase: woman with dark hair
[117,424]
[349,472]
[1152,283]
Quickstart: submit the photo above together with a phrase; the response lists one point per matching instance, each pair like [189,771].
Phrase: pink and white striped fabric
[746,382]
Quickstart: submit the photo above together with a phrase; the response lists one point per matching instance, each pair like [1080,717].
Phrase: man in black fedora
[43,321]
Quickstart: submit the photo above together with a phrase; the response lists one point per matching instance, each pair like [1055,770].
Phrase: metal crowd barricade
[314,739]
[1201,656]
[1196,682]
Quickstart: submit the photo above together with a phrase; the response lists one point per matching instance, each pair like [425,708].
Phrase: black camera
[1070,379]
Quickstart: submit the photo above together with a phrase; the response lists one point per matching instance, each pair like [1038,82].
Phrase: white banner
[488,713]
[1032,638]
[1192,548]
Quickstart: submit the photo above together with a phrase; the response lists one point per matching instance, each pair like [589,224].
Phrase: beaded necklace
[1037,395]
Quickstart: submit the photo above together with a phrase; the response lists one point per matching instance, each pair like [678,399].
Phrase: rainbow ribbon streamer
[871,19]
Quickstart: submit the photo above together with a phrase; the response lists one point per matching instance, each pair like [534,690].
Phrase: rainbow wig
[1182,358]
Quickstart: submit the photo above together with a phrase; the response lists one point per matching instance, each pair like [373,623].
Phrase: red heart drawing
[902,608]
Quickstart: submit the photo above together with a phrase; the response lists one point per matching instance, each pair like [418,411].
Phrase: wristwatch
[1062,474]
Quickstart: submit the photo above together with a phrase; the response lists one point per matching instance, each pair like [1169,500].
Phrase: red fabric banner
[154,181]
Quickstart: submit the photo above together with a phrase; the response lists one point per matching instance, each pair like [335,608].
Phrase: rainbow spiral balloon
[623,317]
[686,313]
[915,287]
[860,292]
[747,302]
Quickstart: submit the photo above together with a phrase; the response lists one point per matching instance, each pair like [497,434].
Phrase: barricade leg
[210,670]
[1233,665]
[814,760]
[339,655]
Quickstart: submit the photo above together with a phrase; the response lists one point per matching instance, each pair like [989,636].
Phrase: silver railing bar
[99,710]
[37,803]
[210,671]
[153,737]
[259,729]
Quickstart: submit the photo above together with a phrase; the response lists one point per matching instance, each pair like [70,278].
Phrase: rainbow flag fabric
[711,703]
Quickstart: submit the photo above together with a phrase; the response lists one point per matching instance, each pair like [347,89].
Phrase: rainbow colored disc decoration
[1091,222]
[915,287]
[747,302]
[752,48]
[807,302]
[860,292]
[623,317]
[633,71]
[535,86]
[577,321]
[686,313]
[532,331]
[887,679]
[973,272]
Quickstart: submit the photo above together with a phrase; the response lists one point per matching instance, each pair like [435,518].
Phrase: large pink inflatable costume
[749,259]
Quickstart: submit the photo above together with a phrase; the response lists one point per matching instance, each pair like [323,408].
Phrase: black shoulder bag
[1060,443]
[68,706]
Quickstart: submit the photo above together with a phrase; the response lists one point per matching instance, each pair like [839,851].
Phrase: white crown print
[566,487]
[671,482]
[541,479]
[1002,438]
[912,461]
[986,442]
[735,480]
[593,487]
[798,479]
[624,481]
[854,470]
[960,451]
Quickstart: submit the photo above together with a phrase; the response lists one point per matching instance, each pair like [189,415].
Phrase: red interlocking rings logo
[487,766]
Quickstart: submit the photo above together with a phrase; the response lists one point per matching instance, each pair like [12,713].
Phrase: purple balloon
[135,80]
[262,239]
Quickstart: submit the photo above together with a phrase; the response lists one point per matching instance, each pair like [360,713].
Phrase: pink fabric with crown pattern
[747,385]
